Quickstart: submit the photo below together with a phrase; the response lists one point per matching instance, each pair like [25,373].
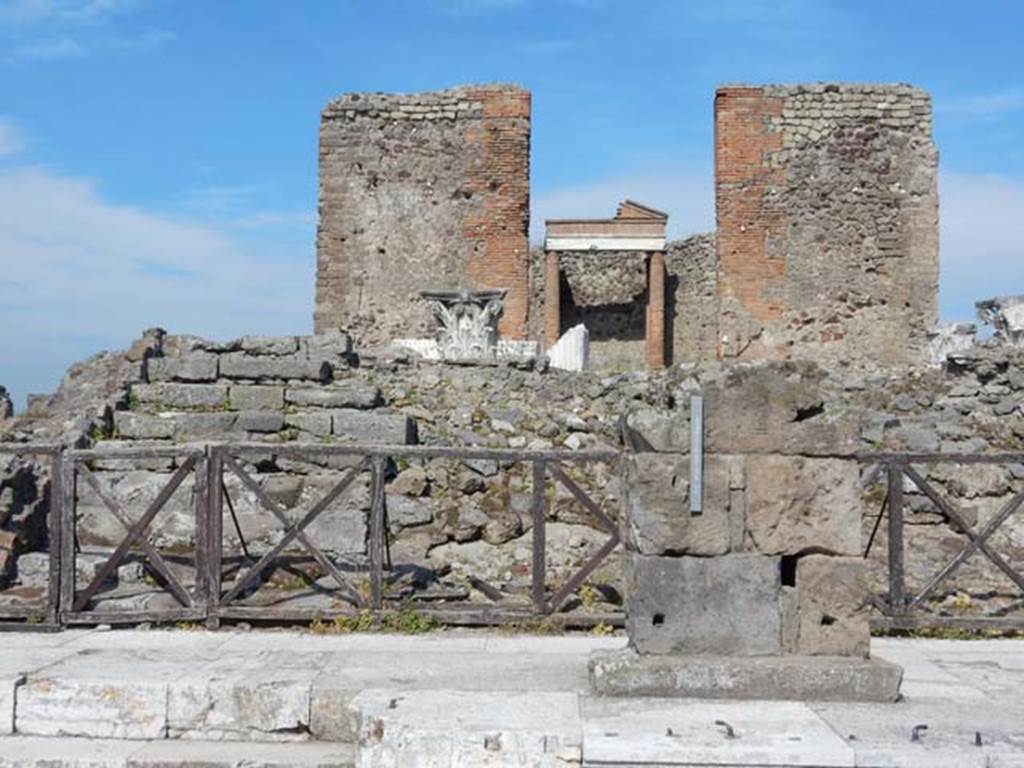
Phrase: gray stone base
[787,678]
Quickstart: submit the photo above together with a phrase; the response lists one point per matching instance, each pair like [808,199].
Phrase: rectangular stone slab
[780,678]
[656,732]
[401,728]
[727,605]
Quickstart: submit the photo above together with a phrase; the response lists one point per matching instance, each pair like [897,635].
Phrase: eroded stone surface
[702,605]
[658,518]
[833,606]
[797,504]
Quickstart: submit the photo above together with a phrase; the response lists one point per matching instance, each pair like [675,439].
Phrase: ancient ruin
[747,447]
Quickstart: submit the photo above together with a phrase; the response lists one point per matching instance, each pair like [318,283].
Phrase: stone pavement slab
[446,729]
[43,752]
[472,698]
[673,732]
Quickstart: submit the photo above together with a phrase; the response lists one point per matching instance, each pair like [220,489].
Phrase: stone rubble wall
[827,223]
[780,438]
[604,277]
[424,191]
[691,300]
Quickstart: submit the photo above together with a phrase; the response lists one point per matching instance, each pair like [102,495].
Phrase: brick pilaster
[654,349]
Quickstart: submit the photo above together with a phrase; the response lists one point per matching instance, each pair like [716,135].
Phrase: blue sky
[158,158]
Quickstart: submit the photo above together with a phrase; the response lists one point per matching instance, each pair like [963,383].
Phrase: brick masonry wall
[827,223]
[421,191]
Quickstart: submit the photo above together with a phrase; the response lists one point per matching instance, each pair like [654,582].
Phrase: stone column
[552,299]
[655,337]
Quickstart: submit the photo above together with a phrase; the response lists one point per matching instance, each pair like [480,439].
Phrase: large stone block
[244,397]
[318,424]
[203,426]
[140,426]
[260,421]
[797,504]
[704,605]
[270,345]
[349,394]
[775,408]
[370,427]
[193,366]
[659,430]
[833,601]
[334,346]
[177,395]
[658,518]
[239,365]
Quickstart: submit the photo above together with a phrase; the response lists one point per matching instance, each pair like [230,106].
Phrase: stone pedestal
[761,592]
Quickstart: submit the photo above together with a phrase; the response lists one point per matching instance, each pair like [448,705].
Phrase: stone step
[66,752]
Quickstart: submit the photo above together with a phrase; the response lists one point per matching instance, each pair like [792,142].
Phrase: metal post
[696,455]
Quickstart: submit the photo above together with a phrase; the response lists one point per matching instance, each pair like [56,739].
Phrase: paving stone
[658,732]
[193,366]
[101,707]
[8,686]
[260,697]
[400,728]
[244,397]
[41,752]
[180,395]
[658,517]
[728,604]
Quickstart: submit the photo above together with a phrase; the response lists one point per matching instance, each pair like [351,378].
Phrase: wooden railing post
[897,597]
[54,527]
[377,532]
[538,509]
[212,552]
[67,536]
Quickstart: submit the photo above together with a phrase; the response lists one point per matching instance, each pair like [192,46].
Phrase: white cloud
[73,11]
[986,106]
[53,49]
[686,195]
[78,274]
[11,142]
[982,240]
